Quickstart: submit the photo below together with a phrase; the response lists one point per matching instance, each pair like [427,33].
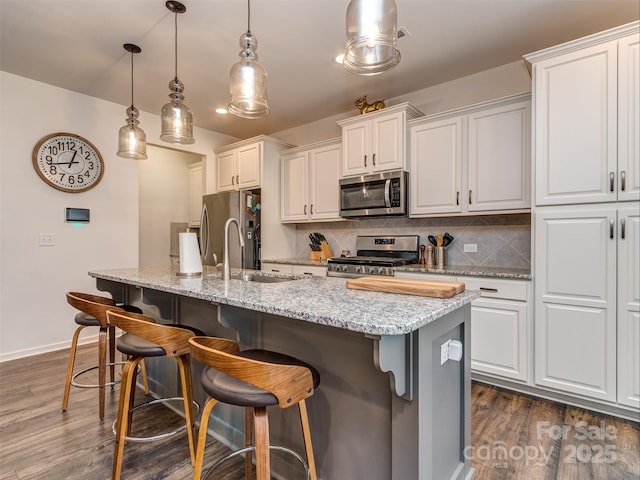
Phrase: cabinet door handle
[623,225]
[612,178]
[374,159]
[237,179]
[233,180]
[312,209]
[458,198]
[623,180]
[365,160]
[305,208]
[611,229]
[469,197]
[486,289]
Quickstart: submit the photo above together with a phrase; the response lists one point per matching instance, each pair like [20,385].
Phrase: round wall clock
[68,162]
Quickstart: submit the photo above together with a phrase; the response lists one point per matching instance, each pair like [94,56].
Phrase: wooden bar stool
[254,379]
[145,338]
[93,313]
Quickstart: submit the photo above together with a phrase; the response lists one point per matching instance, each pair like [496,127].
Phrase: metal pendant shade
[248,79]
[372,35]
[132,141]
[176,118]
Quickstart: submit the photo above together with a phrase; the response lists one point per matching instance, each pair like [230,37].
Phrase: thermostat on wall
[81,215]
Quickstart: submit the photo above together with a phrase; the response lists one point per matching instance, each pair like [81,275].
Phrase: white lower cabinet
[587,301]
[275,267]
[629,306]
[286,268]
[500,324]
[499,327]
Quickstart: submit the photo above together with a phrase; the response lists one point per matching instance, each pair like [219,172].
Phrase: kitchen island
[386,407]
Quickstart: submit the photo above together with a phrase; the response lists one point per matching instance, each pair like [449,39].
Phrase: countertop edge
[310,299]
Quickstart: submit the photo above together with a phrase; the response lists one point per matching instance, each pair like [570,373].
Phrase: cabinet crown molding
[497,102]
[584,42]
[320,144]
[252,140]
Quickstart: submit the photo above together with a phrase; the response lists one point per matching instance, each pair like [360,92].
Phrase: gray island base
[386,408]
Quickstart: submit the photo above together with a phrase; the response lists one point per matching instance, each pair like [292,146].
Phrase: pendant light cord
[132,78]
[175,16]
[249,16]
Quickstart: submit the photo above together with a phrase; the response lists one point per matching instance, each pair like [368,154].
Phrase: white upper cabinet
[586,108]
[499,158]
[629,118]
[309,179]
[376,141]
[239,168]
[436,167]
[472,160]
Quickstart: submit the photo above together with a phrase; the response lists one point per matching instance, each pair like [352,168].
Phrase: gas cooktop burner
[376,255]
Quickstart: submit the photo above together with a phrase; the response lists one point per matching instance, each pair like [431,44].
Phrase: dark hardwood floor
[514,437]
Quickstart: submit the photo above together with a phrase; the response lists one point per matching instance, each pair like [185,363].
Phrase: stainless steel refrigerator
[216,209]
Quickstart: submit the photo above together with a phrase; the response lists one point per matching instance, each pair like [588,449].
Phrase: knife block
[325,250]
[315,255]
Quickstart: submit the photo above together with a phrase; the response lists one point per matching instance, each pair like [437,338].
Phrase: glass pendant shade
[132,141]
[371,46]
[248,82]
[176,118]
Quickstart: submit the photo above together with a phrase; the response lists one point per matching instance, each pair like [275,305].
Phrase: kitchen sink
[253,277]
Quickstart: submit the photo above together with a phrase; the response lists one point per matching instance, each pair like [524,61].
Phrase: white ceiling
[77,45]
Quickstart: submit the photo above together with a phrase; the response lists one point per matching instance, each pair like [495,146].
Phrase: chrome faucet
[226,270]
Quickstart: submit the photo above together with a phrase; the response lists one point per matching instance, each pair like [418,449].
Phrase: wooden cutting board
[406,286]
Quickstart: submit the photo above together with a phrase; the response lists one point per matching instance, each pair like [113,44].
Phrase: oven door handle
[387,193]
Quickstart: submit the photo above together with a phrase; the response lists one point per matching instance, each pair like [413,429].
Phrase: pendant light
[132,141]
[248,79]
[372,36]
[176,117]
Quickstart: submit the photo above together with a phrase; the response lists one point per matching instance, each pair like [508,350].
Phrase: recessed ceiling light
[221,111]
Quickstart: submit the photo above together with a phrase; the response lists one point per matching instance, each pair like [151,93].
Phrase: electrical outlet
[444,352]
[47,239]
[470,247]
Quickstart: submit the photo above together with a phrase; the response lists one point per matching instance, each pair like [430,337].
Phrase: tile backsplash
[503,241]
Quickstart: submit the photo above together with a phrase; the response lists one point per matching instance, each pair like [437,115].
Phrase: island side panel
[350,412]
[431,431]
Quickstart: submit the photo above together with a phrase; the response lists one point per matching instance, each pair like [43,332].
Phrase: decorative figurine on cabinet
[365,107]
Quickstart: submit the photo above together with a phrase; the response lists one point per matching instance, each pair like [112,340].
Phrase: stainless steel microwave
[380,194]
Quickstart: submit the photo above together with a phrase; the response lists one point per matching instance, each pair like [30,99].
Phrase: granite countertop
[321,300]
[470,271]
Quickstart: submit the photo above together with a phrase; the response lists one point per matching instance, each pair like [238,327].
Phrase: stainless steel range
[376,255]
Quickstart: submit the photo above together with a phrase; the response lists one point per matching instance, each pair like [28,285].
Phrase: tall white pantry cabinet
[586,152]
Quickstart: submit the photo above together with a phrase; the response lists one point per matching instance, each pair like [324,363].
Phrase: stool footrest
[252,448]
[161,436]
[89,385]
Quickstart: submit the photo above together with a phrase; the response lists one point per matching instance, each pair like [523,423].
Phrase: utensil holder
[440,257]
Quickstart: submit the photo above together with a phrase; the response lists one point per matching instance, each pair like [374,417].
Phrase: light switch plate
[47,239]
